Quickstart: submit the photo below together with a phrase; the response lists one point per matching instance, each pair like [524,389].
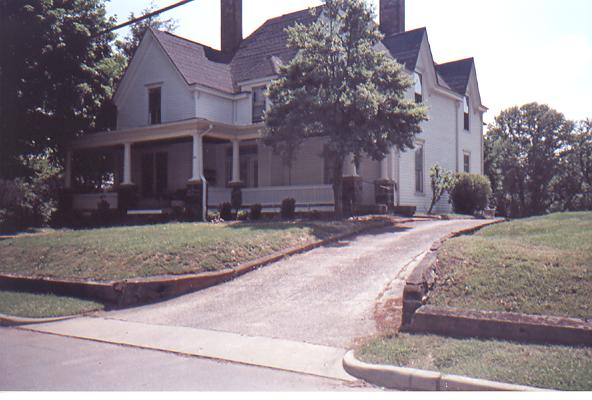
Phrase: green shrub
[225,210]
[242,215]
[288,210]
[470,193]
[213,216]
[256,212]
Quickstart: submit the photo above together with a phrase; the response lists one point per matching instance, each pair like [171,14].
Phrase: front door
[154,175]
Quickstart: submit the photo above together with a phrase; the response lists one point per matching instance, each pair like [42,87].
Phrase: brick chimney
[232,24]
[392,16]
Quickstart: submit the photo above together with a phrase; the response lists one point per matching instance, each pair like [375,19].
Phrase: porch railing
[90,201]
[272,196]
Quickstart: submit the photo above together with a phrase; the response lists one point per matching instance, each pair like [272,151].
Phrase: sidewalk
[322,361]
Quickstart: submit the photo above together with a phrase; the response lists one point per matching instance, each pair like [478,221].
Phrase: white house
[189,117]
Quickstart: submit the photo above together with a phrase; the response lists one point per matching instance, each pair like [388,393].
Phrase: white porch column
[235,161]
[384,173]
[68,171]
[127,164]
[197,170]
[349,167]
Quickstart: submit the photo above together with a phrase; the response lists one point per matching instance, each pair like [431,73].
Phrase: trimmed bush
[288,210]
[256,210]
[242,215]
[470,193]
[225,210]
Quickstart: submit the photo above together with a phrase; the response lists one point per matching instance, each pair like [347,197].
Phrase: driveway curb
[145,290]
[402,378]
[9,320]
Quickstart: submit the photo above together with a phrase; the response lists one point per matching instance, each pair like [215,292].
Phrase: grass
[179,248]
[43,305]
[539,265]
[553,367]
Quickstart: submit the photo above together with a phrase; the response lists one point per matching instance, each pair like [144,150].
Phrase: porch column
[68,171]
[235,161]
[197,157]
[384,173]
[349,168]
[127,164]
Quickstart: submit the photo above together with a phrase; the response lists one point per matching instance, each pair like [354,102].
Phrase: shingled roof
[260,53]
[254,57]
[457,74]
[405,46]
[198,64]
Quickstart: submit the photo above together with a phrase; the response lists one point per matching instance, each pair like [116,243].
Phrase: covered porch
[194,164]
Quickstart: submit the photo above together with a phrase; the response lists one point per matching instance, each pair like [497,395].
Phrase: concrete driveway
[326,296]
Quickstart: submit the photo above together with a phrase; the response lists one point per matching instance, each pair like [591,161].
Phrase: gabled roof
[457,74]
[405,46]
[260,54]
[253,58]
[198,64]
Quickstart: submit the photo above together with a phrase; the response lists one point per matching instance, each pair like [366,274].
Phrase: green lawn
[539,265]
[178,248]
[553,367]
[43,305]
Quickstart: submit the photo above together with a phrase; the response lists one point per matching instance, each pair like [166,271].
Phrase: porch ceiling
[167,131]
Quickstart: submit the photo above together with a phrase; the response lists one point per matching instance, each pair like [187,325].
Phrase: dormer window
[418,88]
[259,105]
[154,105]
[466,114]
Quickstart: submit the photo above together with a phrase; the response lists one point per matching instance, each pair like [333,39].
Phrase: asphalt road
[325,296]
[35,361]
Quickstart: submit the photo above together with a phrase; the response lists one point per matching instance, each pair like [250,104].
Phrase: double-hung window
[467,163]
[154,105]
[259,104]
[418,88]
[419,168]
[466,114]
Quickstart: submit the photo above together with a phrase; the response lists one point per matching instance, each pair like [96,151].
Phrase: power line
[143,17]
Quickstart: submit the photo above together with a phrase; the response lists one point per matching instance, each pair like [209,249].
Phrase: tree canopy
[522,157]
[55,74]
[342,86]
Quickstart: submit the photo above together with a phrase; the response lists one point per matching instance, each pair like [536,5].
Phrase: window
[419,168]
[258,104]
[154,105]
[466,112]
[418,88]
[467,163]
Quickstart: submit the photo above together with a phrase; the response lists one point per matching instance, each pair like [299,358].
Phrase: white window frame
[419,145]
[467,154]
[467,114]
[418,80]
[149,87]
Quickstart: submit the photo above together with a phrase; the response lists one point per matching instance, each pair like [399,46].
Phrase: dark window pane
[467,163]
[466,114]
[154,105]
[419,170]
[258,104]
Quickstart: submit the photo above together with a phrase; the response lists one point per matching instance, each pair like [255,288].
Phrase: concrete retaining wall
[501,325]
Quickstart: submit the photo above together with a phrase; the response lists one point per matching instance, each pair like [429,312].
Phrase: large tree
[521,157]
[128,45]
[342,86]
[572,186]
[55,74]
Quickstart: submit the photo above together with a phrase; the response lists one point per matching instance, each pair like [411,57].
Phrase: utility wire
[143,17]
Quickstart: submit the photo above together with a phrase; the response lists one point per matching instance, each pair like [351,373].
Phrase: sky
[524,50]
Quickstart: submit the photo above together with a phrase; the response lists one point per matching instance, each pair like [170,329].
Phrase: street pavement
[35,361]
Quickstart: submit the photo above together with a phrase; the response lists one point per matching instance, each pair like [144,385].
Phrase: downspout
[456,152]
[204,183]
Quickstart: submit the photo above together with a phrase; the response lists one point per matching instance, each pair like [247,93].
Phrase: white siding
[215,108]
[152,66]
